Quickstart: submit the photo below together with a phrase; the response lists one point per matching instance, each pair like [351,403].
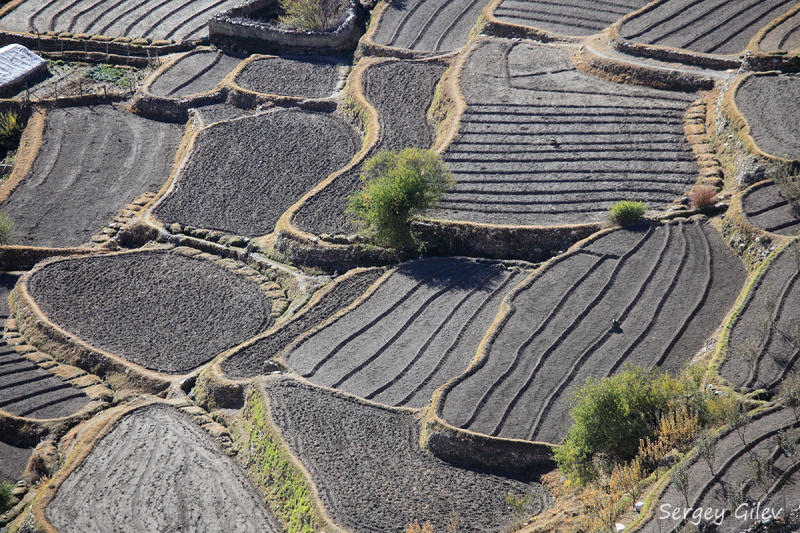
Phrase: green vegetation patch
[109,74]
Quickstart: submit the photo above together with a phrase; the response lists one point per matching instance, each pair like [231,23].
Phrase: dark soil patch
[768,210]
[156,470]
[785,36]
[581,17]
[768,321]
[219,112]
[544,144]
[194,73]
[769,103]
[371,474]
[428,25]
[402,92]
[419,329]
[290,76]
[668,286]
[92,162]
[175,20]
[163,311]
[706,26]
[14,461]
[255,360]
[243,175]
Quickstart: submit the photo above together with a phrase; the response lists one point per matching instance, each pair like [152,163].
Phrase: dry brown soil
[769,103]
[767,209]
[565,17]
[312,77]
[194,73]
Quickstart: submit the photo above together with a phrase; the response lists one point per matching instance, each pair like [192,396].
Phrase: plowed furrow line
[33,394]
[788,35]
[580,171]
[589,208]
[10,360]
[691,21]
[120,16]
[487,199]
[24,381]
[569,157]
[6,370]
[630,121]
[58,14]
[197,76]
[776,205]
[783,225]
[428,22]
[108,9]
[74,17]
[617,10]
[597,93]
[610,112]
[572,133]
[658,21]
[463,182]
[32,19]
[782,480]
[403,21]
[550,18]
[466,149]
[453,24]
[186,22]
[144,15]
[172,13]
[788,368]
[502,108]
[51,403]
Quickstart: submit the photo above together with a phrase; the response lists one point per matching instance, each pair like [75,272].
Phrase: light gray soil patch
[13,463]
[156,470]
[544,144]
[174,20]
[371,474]
[194,73]
[575,17]
[785,36]
[420,329]
[291,76]
[770,105]
[219,112]
[768,210]
[163,311]
[243,175]
[92,162]
[706,26]
[255,360]
[668,286]
[428,25]
[402,92]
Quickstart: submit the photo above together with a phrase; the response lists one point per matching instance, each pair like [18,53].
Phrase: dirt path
[93,161]
[313,77]
[194,73]
[156,470]
[768,210]
[371,474]
[668,286]
[578,18]
[769,103]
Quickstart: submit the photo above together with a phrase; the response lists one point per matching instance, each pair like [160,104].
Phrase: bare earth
[194,73]
[785,36]
[576,17]
[769,103]
[313,77]
[768,210]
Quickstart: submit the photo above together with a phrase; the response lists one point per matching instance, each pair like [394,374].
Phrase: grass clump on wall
[626,212]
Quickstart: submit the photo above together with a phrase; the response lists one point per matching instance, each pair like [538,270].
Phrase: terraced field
[785,36]
[731,473]
[428,25]
[244,174]
[542,143]
[401,92]
[92,162]
[566,17]
[419,329]
[175,20]
[194,73]
[160,310]
[312,77]
[667,286]
[706,26]
[255,360]
[156,470]
[14,461]
[767,325]
[371,474]
[767,209]
[769,103]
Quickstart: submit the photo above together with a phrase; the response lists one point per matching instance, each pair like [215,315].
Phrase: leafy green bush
[11,127]
[5,496]
[6,229]
[397,187]
[626,212]
[109,74]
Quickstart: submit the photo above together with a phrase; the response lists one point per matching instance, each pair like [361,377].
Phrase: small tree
[748,351]
[5,496]
[736,418]
[6,229]
[397,187]
[307,14]
[626,478]
[760,467]
[787,440]
[679,479]
[707,450]
[790,394]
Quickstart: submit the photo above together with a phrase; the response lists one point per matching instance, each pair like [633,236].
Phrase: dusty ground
[14,461]
[312,77]
[785,36]
[667,286]
[768,210]
[219,112]
[707,26]
[582,17]
[769,103]
[155,19]
[402,92]
[93,161]
[163,311]
[542,143]
[371,474]
[244,174]
[254,360]
[194,73]
[420,329]
[158,471]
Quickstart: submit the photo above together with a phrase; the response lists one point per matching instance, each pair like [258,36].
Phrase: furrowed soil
[667,286]
[243,174]
[290,76]
[372,475]
[769,103]
[255,360]
[767,323]
[767,209]
[210,114]
[92,162]
[14,462]
[705,26]
[785,36]
[156,470]
[579,18]
[174,20]
[732,473]
[428,25]
[401,92]
[163,311]
[418,330]
[541,143]
[194,73]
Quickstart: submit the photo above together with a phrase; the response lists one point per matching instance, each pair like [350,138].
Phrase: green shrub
[397,187]
[6,229]
[5,496]
[109,74]
[626,212]
[307,14]
[11,127]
